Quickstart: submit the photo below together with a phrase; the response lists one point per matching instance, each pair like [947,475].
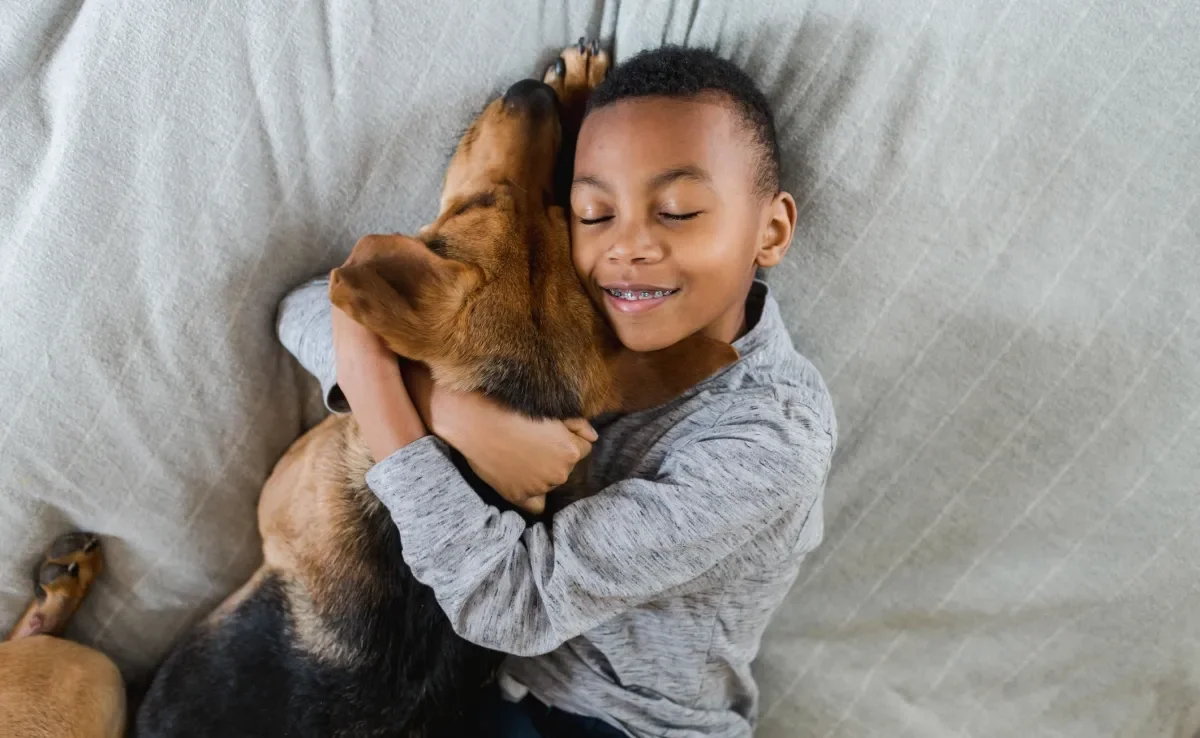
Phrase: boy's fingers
[582,447]
[582,428]
[535,505]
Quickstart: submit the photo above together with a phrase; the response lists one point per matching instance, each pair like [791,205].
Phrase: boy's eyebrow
[590,180]
[660,180]
[673,175]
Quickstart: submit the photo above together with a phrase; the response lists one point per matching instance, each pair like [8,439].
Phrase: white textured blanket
[997,270]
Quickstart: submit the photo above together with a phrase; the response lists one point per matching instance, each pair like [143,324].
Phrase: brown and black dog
[51,687]
[333,636]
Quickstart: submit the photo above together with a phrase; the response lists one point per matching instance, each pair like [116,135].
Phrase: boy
[639,610]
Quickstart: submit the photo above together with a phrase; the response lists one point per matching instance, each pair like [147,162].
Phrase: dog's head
[487,295]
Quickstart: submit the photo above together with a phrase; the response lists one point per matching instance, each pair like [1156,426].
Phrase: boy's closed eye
[681,216]
[588,221]
[675,194]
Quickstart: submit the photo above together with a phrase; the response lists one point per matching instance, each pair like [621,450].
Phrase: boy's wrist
[422,390]
[388,419]
[446,413]
[446,417]
[381,404]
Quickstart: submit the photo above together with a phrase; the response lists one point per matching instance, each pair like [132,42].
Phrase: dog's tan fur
[54,688]
[488,286]
[458,311]
[51,687]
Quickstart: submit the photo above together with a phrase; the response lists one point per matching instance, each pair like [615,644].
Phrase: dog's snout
[531,95]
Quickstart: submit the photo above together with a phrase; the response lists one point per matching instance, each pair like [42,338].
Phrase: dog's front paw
[70,565]
[60,583]
[577,71]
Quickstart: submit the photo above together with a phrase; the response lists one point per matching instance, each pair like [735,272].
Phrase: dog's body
[333,636]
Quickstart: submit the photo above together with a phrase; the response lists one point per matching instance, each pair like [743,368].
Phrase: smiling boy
[638,610]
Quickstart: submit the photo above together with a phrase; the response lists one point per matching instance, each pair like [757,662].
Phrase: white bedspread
[997,269]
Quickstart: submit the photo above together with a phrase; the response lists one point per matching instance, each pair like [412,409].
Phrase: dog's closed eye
[479,200]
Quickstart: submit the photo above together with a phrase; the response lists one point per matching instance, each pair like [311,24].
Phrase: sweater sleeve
[305,328]
[526,590]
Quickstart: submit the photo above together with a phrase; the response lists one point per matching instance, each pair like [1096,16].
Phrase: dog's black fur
[391,664]
[410,674]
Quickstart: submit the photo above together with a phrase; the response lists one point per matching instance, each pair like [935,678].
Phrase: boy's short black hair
[677,71]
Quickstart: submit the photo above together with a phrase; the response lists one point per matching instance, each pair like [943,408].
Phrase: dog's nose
[531,95]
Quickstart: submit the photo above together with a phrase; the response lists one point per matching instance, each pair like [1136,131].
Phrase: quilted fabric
[997,270]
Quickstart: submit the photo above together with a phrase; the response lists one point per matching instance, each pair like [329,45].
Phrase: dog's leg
[575,74]
[61,582]
[54,687]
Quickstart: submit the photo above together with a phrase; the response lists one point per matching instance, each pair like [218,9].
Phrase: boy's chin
[643,339]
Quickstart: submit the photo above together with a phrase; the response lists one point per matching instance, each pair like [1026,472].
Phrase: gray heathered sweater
[643,605]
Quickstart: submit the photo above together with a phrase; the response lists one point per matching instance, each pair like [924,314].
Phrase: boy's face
[666,225]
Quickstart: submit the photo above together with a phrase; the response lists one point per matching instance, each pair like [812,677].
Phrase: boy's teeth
[640,294]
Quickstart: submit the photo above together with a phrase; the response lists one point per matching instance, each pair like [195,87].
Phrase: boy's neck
[732,324]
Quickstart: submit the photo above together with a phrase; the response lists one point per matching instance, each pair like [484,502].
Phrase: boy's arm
[305,329]
[525,591]
[499,455]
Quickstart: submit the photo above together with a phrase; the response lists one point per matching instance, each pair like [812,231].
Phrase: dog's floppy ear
[403,292]
[647,379]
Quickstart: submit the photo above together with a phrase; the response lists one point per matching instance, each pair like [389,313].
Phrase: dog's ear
[404,293]
[647,379]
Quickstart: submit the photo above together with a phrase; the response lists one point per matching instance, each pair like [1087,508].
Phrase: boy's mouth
[637,298]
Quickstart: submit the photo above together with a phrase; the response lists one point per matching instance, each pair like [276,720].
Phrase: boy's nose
[635,246]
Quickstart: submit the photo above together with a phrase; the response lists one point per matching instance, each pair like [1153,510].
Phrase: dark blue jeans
[531,719]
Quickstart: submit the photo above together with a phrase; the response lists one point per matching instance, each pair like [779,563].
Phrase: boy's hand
[522,459]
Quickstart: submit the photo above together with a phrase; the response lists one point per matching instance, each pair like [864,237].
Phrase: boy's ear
[777,231]
[403,292]
[647,379]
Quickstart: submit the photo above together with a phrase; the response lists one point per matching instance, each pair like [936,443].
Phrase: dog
[51,687]
[332,636]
